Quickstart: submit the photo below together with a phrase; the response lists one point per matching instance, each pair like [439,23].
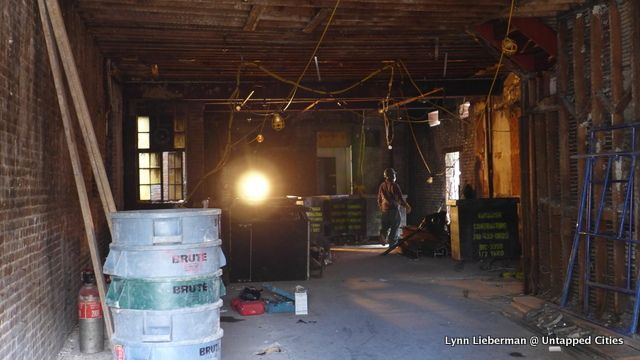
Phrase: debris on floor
[275,347]
[550,320]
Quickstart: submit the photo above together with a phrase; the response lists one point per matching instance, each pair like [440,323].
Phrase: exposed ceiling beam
[254,17]
[320,16]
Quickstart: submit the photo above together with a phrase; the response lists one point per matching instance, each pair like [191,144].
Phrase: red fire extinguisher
[90,315]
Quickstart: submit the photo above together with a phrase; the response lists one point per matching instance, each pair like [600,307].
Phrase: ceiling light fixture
[277,122]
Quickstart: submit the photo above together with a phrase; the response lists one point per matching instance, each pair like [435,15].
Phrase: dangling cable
[326,27]
[229,144]
[502,51]
[388,125]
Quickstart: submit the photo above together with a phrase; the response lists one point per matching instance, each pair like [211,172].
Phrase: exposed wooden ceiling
[194,40]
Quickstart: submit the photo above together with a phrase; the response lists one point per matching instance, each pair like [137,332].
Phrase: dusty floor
[372,307]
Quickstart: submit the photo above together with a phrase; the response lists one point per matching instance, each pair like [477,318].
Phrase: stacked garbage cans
[166,284]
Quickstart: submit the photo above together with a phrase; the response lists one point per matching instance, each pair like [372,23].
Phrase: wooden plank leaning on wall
[61,91]
[82,110]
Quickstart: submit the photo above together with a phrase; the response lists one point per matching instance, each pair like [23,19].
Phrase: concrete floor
[372,307]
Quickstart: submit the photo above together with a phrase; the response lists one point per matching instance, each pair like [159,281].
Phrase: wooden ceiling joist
[254,17]
[189,38]
[320,16]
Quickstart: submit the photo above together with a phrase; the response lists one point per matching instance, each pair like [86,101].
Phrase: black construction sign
[488,228]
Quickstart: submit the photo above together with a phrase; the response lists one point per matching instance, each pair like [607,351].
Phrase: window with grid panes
[161,163]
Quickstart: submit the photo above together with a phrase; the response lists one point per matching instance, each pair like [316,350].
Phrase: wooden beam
[318,18]
[254,17]
[541,34]
[563,150]
[82,110]
[624,101]
[76,164]
[525,200]
[534,234]
[553,229]
[597,120]
[581,133]
[617,93]
[635,86]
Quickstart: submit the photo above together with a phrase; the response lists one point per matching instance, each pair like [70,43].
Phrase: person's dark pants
[390,224]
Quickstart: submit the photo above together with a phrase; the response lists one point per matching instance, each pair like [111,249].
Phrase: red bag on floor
[248,307]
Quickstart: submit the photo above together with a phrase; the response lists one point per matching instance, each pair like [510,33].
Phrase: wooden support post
[533,192]
[617,93]
[525,203]
[563,150]
[597,121]
[76,165]
[635,89]
[82,110]
[581,134]
[553,230]
[542,200]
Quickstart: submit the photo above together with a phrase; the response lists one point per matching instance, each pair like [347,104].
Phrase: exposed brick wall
[42,242]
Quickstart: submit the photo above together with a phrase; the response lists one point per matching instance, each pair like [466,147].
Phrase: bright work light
[253,187]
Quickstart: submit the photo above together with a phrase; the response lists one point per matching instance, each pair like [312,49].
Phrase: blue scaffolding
[590,215]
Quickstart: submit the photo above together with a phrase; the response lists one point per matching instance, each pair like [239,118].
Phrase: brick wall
[42,243]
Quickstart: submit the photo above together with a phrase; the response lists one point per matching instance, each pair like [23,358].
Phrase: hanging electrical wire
[326,27]
[227,149]
[388,125]
[322,92]
[406,71]
[502,52]
[359,187]
[415,140]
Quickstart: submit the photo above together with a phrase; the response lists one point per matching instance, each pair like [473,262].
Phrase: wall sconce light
[277,122]
[260,138]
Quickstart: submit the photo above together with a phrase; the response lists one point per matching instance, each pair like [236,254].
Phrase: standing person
[389,201]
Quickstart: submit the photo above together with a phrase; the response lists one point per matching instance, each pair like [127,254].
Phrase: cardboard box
[301,301]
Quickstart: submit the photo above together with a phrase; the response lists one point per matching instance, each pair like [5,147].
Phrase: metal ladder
[592,206]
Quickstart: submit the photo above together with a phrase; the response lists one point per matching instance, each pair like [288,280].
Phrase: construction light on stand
[253,187]
[277,122]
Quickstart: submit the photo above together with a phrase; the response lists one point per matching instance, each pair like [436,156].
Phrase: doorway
[327,184]
[334,171]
